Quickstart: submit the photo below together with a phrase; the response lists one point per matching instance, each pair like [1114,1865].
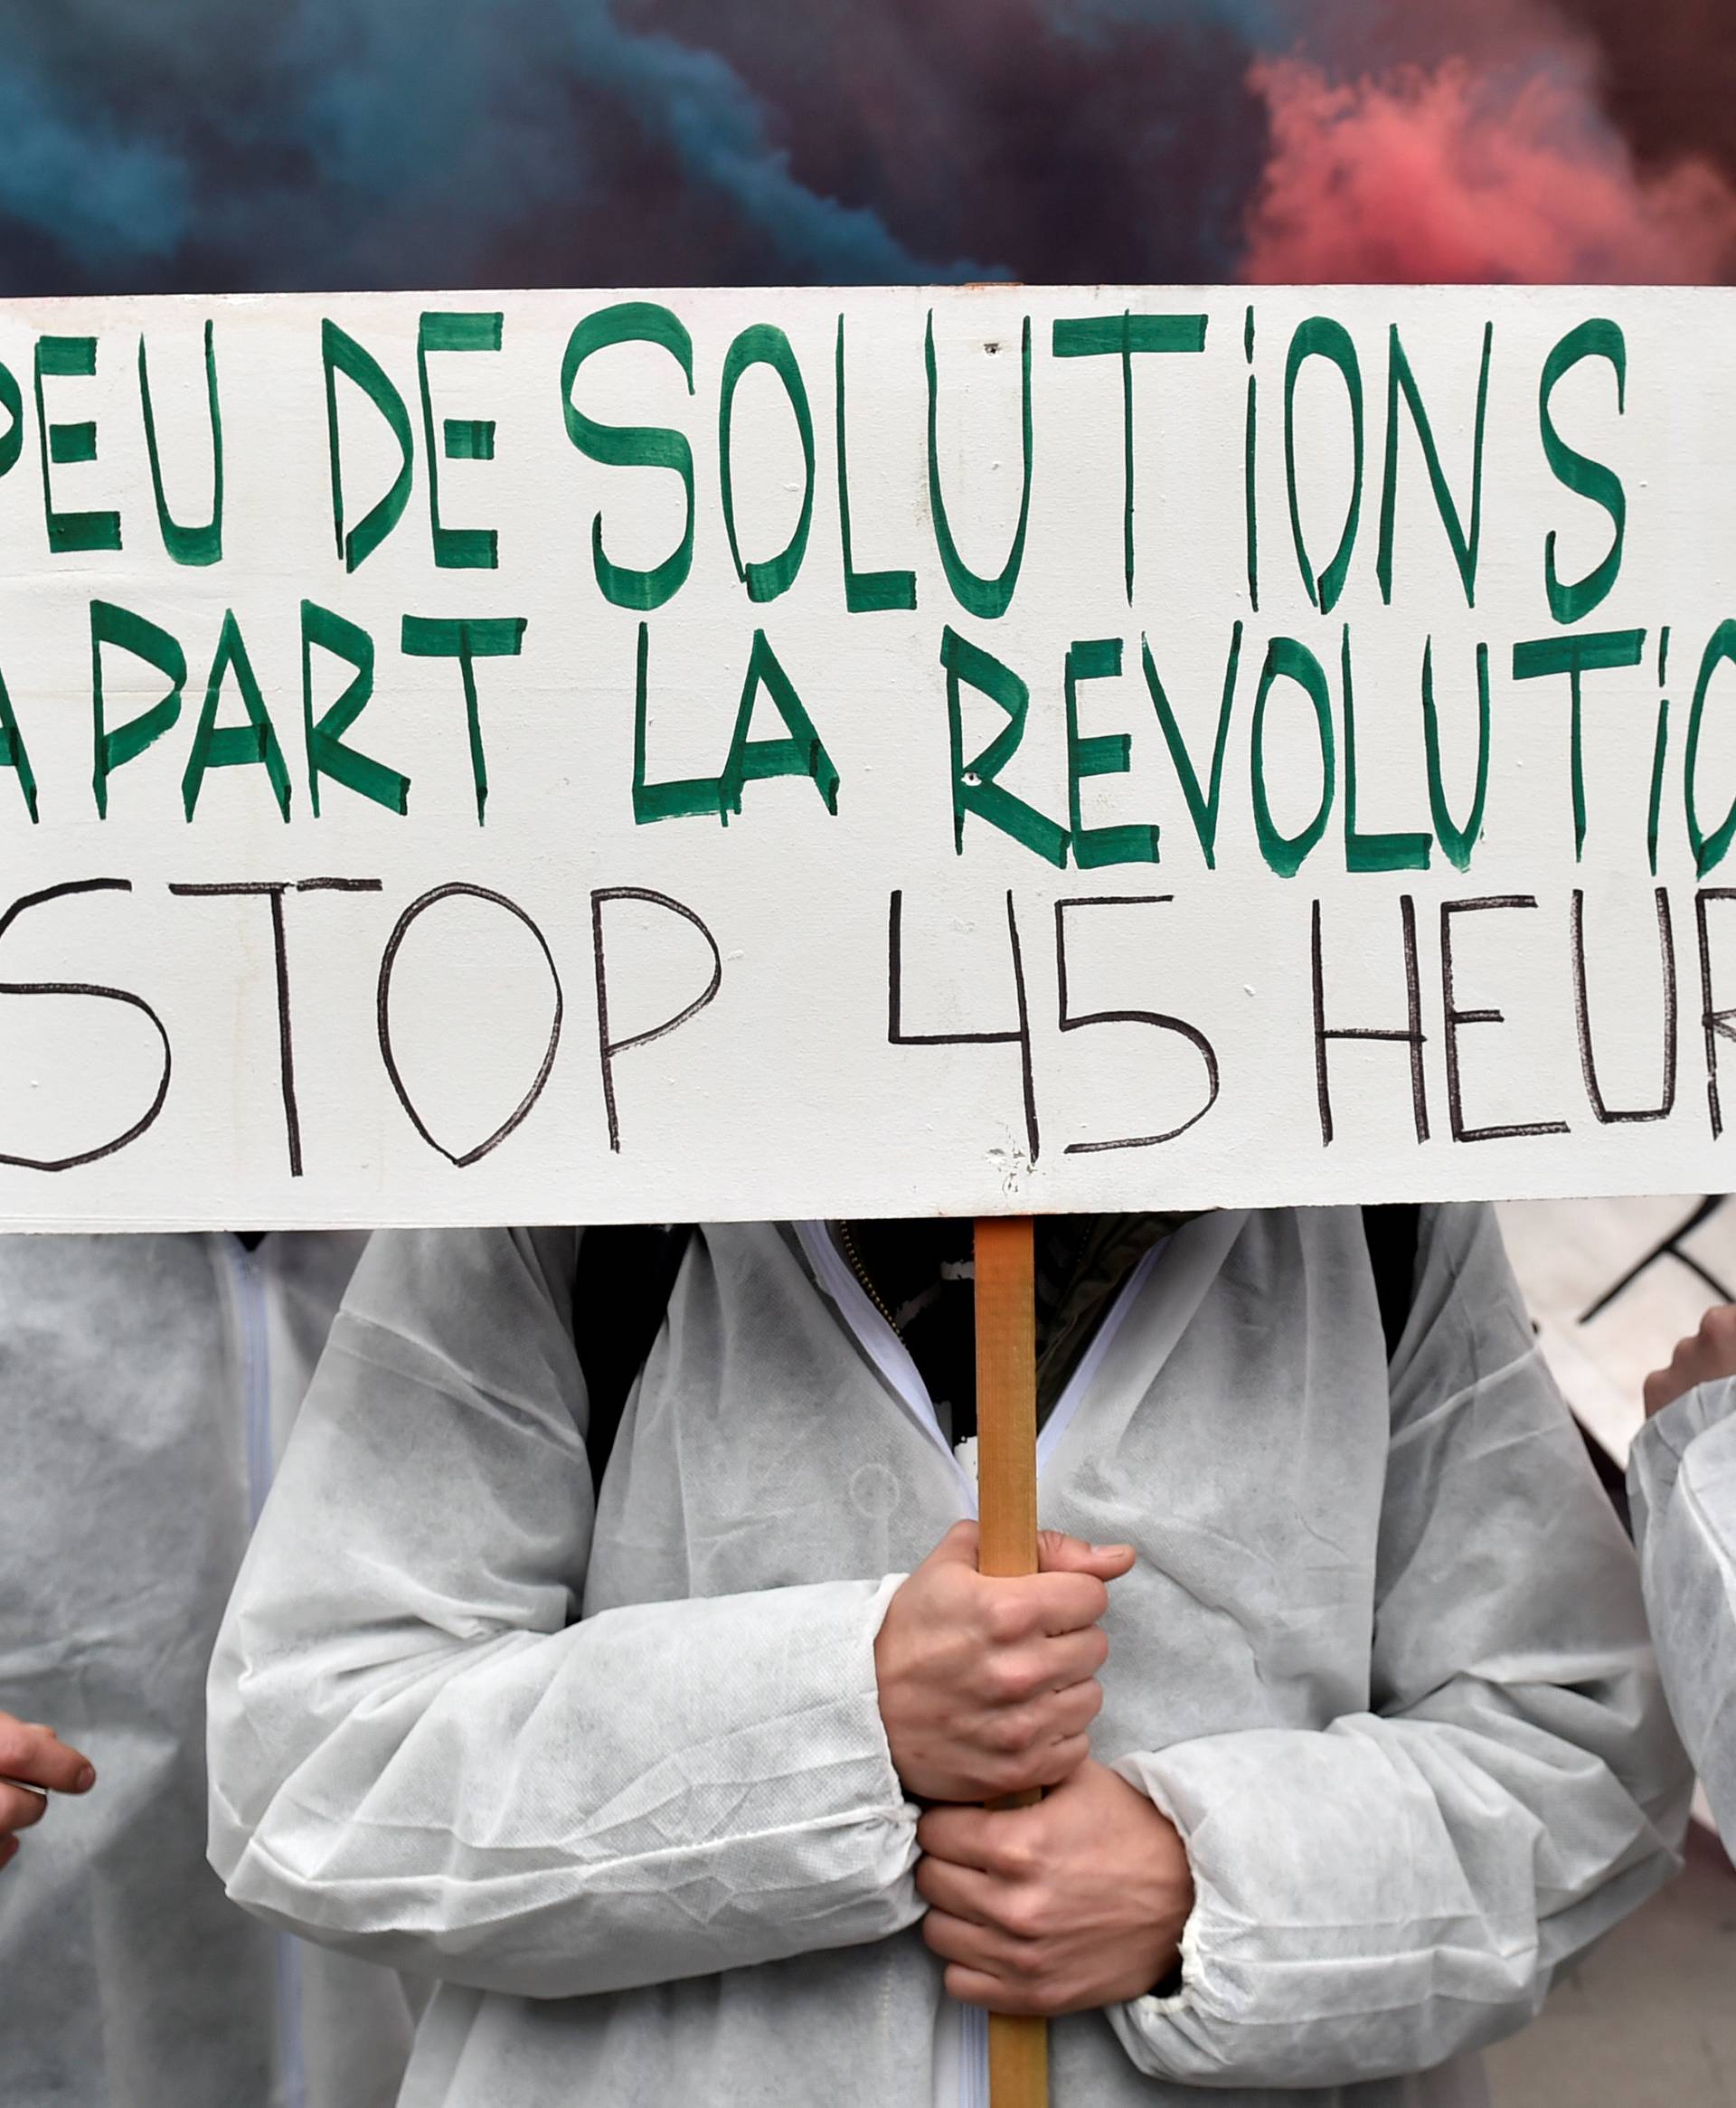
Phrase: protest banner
[593,756]
[710,754]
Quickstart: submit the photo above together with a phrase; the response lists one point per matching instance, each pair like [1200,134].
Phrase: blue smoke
[349,142]
[83,185]
[718,133]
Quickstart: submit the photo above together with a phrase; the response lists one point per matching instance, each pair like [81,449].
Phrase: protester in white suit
[650,1787]
[1682,1481]
[147,1387]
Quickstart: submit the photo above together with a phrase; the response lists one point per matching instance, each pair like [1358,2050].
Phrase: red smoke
[1454,176]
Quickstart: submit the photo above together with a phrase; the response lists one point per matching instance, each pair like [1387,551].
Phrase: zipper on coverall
[247,1276]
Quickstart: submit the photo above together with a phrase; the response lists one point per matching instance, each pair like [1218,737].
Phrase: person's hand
[987,1685]
[34,1763]
[1076,1902]
[1701,1359]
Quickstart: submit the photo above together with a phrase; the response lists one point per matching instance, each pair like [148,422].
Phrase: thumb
[1660,1390]
[1059,1553]
[957,1548]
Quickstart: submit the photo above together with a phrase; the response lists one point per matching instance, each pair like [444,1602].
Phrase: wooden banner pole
[1006,1483]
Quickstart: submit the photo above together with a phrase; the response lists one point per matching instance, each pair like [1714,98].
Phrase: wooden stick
[1006,1507]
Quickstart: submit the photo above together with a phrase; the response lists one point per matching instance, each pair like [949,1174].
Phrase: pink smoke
[1452,177]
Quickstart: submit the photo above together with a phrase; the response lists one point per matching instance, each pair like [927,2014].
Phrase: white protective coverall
[146,1384]
[1682,1481]
[1383,1661]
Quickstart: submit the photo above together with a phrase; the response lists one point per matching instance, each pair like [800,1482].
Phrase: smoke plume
[1453,176]
[256,145]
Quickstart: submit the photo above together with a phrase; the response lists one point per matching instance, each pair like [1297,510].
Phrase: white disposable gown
[146,1384]
[1682,1478]
[1383,1659]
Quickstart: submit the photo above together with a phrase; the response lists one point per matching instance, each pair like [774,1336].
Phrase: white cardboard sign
[704,755]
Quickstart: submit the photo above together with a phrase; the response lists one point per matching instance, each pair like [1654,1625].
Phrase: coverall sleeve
[1375,1897]
[1682,1481]
[416,1755]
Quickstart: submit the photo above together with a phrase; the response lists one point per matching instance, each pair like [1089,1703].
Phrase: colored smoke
[1068,140]
[256,145]
[266,144]
[1458,176]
